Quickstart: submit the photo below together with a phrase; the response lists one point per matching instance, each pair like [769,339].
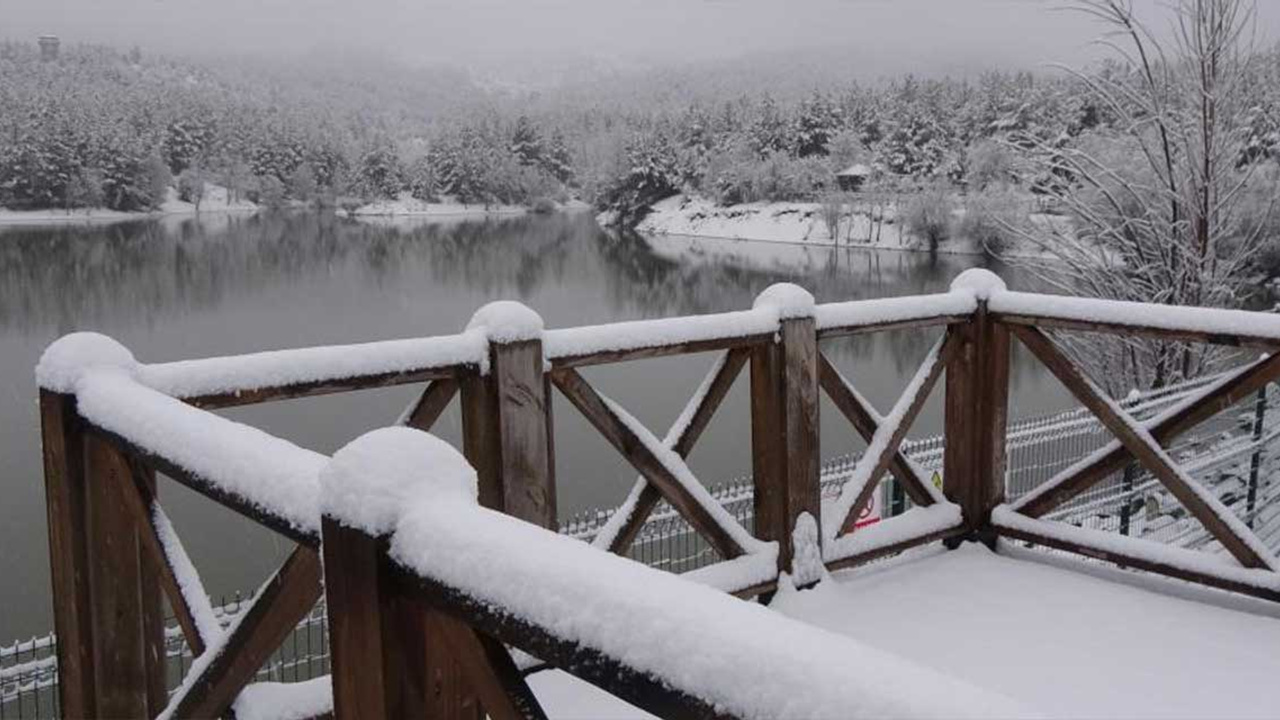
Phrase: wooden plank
[607,673]
[280,605]
[354,618]
[209,489]
[768,448]
[932,368]
[959,469]
[625,441]
[688,348]
[993,355]
[378,643]
[724,374]
[1242,384]
[117,598]
[1125,560]
[139,501]
[62,442]
[481,437]
[879,327]
[1151,457]
[528,469]
[1242,340]
[489,670]
[784,434]
[274,393]
[863,419]
[432,404]
[507,435]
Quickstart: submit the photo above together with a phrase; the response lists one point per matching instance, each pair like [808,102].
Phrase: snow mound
[505,321]
[979,281]
[67,358]
[788,299]
[368,483]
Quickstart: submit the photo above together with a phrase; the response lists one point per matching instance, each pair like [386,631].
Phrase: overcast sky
[924,35]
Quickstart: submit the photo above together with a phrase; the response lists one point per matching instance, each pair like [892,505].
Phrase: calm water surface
[172,289]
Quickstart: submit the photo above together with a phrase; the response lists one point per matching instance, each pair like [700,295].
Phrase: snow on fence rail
[122,417]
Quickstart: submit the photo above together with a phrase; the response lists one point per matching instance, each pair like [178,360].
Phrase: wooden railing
[406,643]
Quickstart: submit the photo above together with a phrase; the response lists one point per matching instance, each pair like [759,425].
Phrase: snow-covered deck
[1057,636]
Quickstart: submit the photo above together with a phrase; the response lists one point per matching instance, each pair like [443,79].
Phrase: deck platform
[1057,635]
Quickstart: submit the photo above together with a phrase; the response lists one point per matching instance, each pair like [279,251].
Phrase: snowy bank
[862,224]
[787,222]
[216,201]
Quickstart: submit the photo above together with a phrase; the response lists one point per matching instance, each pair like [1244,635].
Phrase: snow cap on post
[979,281]
[788,299]
[374,478]
[66,360]
[506,321]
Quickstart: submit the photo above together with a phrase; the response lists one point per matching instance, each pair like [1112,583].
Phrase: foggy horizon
[877,37]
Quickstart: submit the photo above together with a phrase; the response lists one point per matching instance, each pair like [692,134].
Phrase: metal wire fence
[1228,454]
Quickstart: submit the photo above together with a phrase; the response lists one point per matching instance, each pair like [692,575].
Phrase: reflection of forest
[53,279]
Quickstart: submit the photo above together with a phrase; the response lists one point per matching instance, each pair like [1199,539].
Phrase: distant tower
[49,47]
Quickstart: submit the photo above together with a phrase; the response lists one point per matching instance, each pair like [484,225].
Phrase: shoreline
[796,224]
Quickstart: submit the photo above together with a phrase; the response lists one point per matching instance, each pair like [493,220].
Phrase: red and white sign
[870,514]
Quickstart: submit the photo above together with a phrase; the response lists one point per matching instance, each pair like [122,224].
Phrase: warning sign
[870,514]
[937,479]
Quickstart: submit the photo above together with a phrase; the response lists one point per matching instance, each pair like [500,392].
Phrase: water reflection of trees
[55,279]
[139,272]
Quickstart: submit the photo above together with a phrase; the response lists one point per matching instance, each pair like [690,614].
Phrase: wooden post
[106,600]
[124,597]
[977,407]
[784,431]
[507,432]
[507,438]
[378,637]
[64,479]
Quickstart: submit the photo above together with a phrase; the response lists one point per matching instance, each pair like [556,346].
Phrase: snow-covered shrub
[302,183]
[928,215]
[990,220]
[85,189]
[651,174]
[831,209]
[271,192]
[423,183]
[192,185]
[378,174]
[989,162]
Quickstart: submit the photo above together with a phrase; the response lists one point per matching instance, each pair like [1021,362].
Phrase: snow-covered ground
[1067,641]
[1061,641]
[796,223]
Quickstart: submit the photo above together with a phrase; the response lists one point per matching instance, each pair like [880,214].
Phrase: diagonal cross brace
[1212,514]
[886,436]
[657,464]
[680,438]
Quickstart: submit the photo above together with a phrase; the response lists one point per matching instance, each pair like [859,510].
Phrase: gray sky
[920,35]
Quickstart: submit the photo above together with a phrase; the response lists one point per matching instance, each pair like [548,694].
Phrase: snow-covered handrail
[267,478]
[856,316]
[1197,324]
[653,638]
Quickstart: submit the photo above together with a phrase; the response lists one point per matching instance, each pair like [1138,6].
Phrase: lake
[177,288]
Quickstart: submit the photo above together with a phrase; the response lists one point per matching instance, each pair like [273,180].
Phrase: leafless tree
[1162,202]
